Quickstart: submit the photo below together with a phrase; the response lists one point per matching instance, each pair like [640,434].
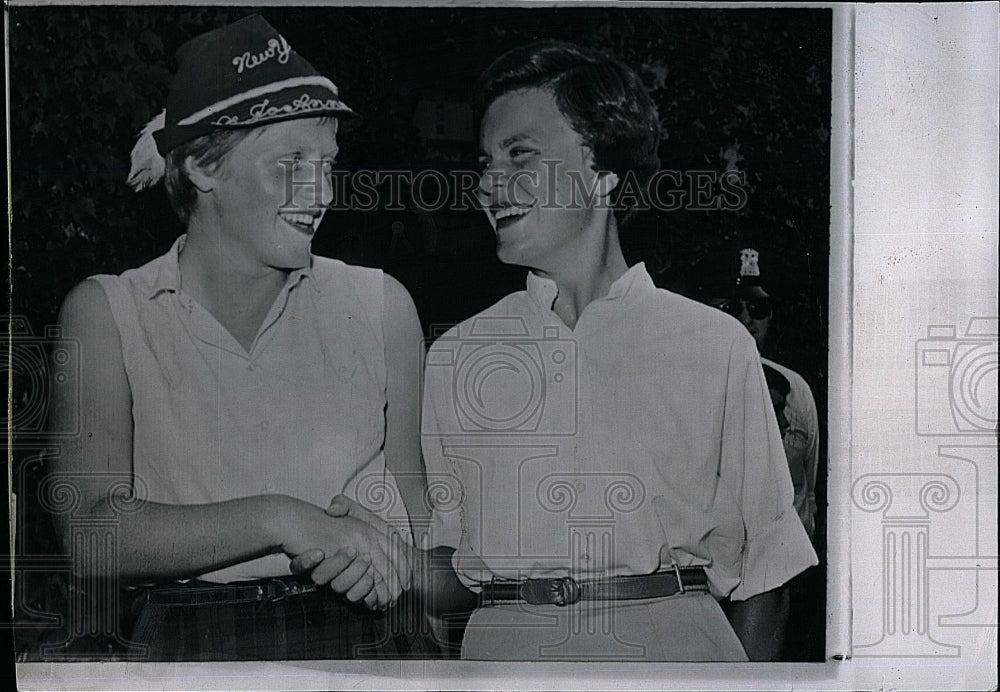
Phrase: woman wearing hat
[238,383]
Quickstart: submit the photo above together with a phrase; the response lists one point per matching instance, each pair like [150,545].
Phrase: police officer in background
[741,293]
[737,282]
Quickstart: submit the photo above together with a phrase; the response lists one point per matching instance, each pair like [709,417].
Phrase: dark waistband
[197,592]
[567,590]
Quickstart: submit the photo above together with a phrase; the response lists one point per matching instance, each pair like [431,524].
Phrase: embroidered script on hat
[263,111]
[275,47]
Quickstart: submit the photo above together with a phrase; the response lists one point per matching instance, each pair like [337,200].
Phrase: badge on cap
[748,262]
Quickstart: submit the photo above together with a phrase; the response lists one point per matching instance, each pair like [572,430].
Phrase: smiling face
[536,173]
[269,193]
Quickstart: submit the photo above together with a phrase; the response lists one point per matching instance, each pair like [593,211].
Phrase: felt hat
[241,75]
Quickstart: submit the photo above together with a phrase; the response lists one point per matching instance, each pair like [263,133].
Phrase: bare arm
[434,579]
[160,541]
[759,622]
[404,362]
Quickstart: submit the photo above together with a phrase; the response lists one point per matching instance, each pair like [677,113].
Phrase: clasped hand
[372,562]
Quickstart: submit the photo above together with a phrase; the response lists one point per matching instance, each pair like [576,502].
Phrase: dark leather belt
[197,592]
[566,590]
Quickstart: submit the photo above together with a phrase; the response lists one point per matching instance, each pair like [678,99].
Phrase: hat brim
[171,137]
[751,292]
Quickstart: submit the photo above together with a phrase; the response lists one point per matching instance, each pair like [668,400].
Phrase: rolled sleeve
[775,555]
[776,546]
[444,484]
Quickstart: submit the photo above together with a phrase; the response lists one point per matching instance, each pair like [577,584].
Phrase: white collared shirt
[801,442]
[642,438]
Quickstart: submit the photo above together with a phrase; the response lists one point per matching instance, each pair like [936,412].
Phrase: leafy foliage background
[747,89]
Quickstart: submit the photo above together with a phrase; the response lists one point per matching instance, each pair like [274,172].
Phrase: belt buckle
[569,591]
[286,589]
[562,591]
[279,590]
[680,582]
[276,591]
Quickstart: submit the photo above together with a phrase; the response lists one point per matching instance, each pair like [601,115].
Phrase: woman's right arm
[160,541]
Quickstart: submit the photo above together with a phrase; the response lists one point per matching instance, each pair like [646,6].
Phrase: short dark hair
[208,151]
[604,101]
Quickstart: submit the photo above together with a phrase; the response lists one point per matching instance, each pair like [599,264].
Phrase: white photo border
[908,82]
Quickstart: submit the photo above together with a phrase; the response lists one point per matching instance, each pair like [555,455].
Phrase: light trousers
[686,627]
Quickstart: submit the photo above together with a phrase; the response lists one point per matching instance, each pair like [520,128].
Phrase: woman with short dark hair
[618,466]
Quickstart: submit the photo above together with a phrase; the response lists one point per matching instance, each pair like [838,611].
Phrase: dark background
[747,88]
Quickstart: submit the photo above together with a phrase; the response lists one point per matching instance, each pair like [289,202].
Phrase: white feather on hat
[147,164]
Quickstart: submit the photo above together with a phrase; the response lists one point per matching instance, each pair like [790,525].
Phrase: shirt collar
[634,282]
[168,277]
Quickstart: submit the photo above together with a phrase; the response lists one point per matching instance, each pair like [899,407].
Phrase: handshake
[353,551]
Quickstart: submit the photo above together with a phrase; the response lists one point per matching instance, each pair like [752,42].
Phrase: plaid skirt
[318,625]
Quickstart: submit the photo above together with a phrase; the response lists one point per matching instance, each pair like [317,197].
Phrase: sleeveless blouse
[301,414]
